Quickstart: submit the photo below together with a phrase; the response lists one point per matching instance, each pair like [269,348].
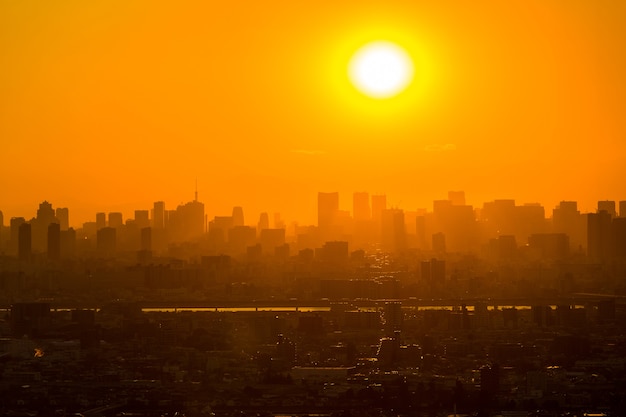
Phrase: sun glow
[381,69]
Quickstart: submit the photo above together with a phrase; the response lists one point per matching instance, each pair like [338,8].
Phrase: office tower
[361,210]
[608,206]
[187,222]
[622,208]
[278,222]
[327,209]
[68,243]
[54,241]
[158,215]
[457,223]
[39,226]
[264,222]
[237,216]
[106,241]
[433,271]
[218,230]
[567,219]
[379,203]
[14,227]
[599,236]
[2,234]
[393,231]
[116,220]
[457,198]
[24,242]
[101,220]
[142,218]
[63,216]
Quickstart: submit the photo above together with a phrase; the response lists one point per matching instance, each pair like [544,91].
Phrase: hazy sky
[111,105]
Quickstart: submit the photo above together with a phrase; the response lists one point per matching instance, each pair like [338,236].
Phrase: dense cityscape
[499,310]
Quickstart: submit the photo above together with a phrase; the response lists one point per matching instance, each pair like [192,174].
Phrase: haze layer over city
[296,208]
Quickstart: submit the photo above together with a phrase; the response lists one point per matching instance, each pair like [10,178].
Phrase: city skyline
[110,105]
[352,203]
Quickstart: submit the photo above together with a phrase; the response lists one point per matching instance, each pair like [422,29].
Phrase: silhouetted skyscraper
[101,220]
[116,220]
[15,224]
[39,226]
[567,219]
[264,222]
[187,222]
[327,210]
[24,249]
[158,215]
[106,241]
[63,216]
[608,206]
[393,231]
[599,236]
[54,241]
[622,208]
[457,198]
[68,243]
[142,219]
[237,216]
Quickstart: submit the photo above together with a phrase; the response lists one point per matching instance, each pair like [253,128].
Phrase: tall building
[327,210]
[54,241]
[101,220]
[237,216]
[39,226]
[187,222]
[393,231]
[264,222]
[599,234]
[63,216]
[457,198]
[106,241]
[68,243]
[567,219]
[622,208]
[15,224]
[361,210]
[142,218]
[608,206]
[24,239]
[158,215]
[116,220]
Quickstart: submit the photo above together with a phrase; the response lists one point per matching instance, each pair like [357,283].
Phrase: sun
[380,69]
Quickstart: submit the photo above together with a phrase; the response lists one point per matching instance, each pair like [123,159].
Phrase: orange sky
[111,105]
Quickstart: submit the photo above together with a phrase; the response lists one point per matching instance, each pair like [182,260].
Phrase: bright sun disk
[380,69]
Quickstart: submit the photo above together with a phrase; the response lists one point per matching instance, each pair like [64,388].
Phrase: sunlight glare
[380,69]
